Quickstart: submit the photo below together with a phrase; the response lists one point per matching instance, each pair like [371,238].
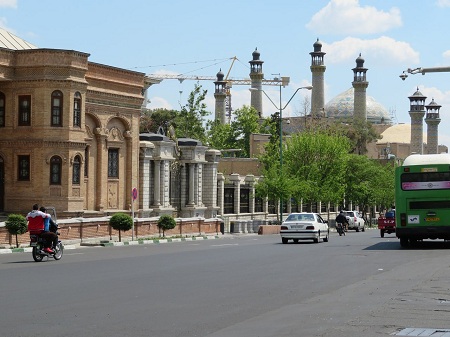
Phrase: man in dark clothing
[342,219]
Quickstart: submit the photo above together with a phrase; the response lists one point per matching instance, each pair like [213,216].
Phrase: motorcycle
[38,243]
[38,248]
[340,228]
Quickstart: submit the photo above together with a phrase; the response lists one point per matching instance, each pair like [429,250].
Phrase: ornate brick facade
[70,132]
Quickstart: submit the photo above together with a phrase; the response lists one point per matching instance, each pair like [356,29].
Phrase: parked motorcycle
[340,228]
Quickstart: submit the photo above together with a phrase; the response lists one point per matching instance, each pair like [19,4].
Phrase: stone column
[102,169]
[144,175]
[220,187]
[157,184]
[191,200]
[129,167]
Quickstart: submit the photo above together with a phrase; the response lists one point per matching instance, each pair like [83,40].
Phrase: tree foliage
[191,119]
[166,222]
[317,162]
[369,182]
[237,134]
[121,222]
[151,120]
[16,224]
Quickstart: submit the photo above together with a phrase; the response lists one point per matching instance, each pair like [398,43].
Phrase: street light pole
[280,108]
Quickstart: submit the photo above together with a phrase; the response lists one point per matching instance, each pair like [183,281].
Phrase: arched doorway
[2,184]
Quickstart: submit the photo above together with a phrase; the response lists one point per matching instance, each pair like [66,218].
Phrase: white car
[304,226]
[355,221]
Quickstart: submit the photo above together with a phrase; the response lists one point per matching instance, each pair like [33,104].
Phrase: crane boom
[245,81]
[423,71]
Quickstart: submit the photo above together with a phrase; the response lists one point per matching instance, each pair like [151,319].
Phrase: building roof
[11,41]
[342,106]
[399,133]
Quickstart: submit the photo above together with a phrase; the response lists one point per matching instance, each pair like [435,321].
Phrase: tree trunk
[17,242]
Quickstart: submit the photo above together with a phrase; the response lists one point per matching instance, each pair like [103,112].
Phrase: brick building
[68,130]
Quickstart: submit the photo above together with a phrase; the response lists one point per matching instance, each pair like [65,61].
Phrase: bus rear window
[425,181]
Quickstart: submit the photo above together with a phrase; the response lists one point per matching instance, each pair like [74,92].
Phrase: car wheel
[325,239]
[317,240]
[357,229]
[284,240]
[364,228]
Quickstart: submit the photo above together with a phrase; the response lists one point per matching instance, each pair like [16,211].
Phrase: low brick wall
[79,230]
[269,229]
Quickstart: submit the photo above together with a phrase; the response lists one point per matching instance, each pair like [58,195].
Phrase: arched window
[2,109]
[77,109]
[57,108]
[25,110]
[76,165]
[55,170]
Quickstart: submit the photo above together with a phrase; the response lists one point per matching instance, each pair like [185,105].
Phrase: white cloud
[446,54]
[8,3]
[159,103]
[443,3]
[383,50]
[348,17]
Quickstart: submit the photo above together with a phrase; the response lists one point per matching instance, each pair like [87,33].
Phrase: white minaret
[360,85]
[220,95]
[432,119]
[417,111]
[318,70]
[256,76]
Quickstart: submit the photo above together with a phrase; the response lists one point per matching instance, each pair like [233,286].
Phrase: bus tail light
[402,219]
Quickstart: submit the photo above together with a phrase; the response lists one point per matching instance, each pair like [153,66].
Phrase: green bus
[422,198]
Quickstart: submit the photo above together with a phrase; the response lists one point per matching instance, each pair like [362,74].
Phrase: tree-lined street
[244,285]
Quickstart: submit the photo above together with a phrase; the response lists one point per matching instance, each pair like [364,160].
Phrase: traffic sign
[134,193]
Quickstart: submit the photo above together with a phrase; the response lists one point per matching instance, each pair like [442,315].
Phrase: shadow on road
[419,245]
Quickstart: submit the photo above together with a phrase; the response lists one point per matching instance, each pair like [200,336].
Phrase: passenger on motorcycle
[49,234]
[36,226]
[342,219]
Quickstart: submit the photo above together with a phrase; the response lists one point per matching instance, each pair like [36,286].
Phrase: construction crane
[423,71]
[281,81]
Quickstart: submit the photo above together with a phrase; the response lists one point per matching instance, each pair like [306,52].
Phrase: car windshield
[300,217]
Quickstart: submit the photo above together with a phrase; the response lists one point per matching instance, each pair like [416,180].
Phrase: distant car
[355,221]
[304,226]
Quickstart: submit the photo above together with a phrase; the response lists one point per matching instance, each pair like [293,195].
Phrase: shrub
[16,224]
[166,222]
[121,222]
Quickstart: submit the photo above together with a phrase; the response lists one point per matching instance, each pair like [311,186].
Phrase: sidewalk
[109,243]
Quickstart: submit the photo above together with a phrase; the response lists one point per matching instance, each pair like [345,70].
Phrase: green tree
[151,120]
[16,224]
[121,222]
[191,119]
[220,136]
[237,134]
[317,162]
[369,182]
[166,222]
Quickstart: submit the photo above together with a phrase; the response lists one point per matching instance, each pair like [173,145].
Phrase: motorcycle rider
[342,219]
[36,223]
[49,235]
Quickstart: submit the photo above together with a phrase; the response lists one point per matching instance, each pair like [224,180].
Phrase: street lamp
[280,108]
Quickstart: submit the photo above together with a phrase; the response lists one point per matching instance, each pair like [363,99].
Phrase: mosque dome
[341,107]
[398,133]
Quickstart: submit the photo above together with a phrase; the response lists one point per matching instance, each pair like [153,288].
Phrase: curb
[115,244]
[156,241]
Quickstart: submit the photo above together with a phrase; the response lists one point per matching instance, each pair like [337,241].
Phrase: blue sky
[199,37]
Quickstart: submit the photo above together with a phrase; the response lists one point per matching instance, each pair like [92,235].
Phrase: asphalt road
[247,285]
